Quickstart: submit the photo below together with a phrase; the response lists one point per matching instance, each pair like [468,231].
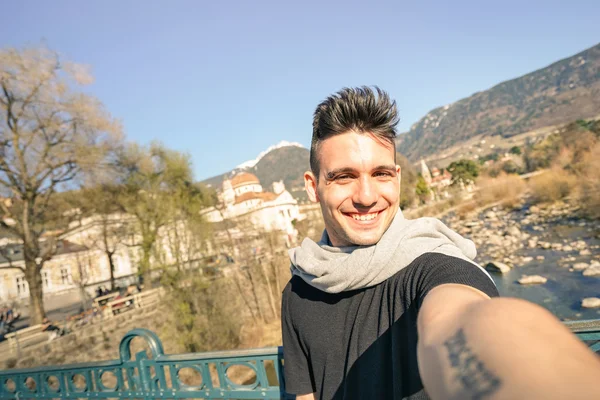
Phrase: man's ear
[399,173]
[310,184]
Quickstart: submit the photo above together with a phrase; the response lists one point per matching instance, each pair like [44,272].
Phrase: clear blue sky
[224,80]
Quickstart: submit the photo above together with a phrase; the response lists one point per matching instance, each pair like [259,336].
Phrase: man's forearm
[503,349]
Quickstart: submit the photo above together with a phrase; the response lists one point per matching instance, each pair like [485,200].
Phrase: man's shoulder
[300,289]
[434,260]
[430,262]
[432,269]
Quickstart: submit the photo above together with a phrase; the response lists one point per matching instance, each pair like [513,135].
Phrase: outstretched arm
[474,347]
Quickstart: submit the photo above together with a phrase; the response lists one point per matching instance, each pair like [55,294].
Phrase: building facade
[242,198]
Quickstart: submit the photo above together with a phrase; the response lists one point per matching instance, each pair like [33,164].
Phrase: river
[557,225]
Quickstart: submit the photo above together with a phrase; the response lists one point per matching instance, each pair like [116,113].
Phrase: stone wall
[94,342]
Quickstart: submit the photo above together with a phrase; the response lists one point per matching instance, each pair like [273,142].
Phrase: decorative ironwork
[154,375]
[588,331]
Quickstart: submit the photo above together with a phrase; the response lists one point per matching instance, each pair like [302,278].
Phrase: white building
[79,261]
[242,198]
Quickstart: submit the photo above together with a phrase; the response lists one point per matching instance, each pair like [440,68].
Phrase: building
[440,180]
[78,263]
[437,181]
[242,198]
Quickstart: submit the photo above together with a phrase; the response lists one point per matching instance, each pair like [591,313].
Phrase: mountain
[286,160]
[252,163]
[562,92]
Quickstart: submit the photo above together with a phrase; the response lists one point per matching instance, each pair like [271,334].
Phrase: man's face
[358,188]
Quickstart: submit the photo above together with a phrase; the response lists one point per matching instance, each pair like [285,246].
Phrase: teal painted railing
[168,376]
[154,377]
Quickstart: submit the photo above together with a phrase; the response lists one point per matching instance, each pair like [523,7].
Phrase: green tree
[421,189]
[50,136]
[515,150]
[510,167]
[158,189]
[463,171]
[408,180]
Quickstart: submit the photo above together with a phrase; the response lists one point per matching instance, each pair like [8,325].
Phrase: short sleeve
[296,369]
[438,269]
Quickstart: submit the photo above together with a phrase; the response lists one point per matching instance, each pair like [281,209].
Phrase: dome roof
[264,196]
[244,178]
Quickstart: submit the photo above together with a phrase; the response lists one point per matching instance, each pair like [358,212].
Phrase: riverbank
[552,241]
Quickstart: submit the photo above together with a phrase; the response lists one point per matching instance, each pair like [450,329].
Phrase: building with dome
[243,199]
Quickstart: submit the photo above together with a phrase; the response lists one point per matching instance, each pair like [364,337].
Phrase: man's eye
[383,173]
[342,177]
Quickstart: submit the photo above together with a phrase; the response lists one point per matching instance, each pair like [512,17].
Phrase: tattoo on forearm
[470,371]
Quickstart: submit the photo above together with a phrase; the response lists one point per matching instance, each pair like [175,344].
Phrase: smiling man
[383,307]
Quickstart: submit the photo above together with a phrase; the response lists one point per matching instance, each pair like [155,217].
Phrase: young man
[389,308]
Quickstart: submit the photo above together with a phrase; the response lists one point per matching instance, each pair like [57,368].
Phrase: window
[22,285]
[65,276]
[46,279]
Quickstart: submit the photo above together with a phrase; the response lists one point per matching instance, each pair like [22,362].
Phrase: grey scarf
[338,269]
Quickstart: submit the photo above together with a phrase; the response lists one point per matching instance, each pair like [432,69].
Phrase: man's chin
[364,239]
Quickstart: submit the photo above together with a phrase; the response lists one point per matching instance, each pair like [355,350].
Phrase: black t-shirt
[362,344]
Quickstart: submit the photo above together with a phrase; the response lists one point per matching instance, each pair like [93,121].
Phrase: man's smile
[362,217]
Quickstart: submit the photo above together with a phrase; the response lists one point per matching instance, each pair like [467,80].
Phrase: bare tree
[84,265]
[110,227]
[49,135]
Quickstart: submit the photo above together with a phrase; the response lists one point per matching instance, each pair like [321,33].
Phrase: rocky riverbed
[550,250]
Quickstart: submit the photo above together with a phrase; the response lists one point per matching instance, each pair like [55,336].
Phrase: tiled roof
[265,196]
[15,251]
[244,178]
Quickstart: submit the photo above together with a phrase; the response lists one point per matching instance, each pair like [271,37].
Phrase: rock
[540,258]
[471,224]
[585,252]
[544,245]
[567,248]
[494,240]
[590,302]
[580,266]
[513,231]
[534,209]
[491,215]
[557,246]
[526,260]
[592,271]
[496,266]
[532,279]
[507,243]
[594,262]
[532,243]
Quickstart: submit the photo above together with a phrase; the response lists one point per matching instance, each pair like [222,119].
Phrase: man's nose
[366,194]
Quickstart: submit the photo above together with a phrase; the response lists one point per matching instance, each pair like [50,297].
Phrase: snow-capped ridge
[252,163]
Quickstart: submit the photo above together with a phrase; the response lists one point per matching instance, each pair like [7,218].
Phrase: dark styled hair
[361,110]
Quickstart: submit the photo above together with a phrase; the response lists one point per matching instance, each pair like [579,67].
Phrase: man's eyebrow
[331,174]
[345,170]
[388,167]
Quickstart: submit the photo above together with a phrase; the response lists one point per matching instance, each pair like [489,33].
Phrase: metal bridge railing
[155,375]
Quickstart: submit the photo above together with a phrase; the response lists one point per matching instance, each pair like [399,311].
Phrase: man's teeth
[364,217]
